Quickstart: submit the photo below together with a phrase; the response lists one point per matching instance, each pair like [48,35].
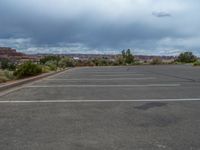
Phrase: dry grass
[6,76]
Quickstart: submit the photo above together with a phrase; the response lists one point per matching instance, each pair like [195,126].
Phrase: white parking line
[97,79]
[117,75]
[112,72]
[101,101]
[62,86]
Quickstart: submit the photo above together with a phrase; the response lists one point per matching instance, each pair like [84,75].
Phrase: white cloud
[15,42]
[188,42]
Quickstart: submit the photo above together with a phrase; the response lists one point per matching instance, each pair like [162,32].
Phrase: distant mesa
[12,54]
[6,52]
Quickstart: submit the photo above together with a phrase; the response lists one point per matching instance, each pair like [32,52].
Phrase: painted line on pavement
[101,101]
[97,79]
[62,86]
[117,75]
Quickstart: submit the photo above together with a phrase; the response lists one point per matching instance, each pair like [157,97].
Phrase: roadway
[109,108]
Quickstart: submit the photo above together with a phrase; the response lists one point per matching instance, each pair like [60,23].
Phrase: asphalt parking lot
[105,108]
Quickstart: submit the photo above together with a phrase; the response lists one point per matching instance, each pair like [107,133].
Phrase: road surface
[105,108]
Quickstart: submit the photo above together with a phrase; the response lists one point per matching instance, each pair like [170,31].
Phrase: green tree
[187,57]
[128,57]
[124,54]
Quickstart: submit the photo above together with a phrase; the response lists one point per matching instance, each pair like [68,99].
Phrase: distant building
[76,58]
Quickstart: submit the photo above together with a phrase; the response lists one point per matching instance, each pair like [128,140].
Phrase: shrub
[6,76]
[3,79]
[137,63]
[12,67]
[4,64]
[101,62]
[66,62]
[81,63]
[28,69]
[9,75]
[197,63]
[7,64]
[52,65]
[156,61]
[119,60]
[46,69]
[46,59]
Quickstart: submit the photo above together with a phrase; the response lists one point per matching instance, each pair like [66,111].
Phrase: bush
[4,64]
[156,61]
[197,63]
[9,75]
[6,76]
[66,62]
[7,64]
[52,65]
[46,69]
[119,60]
[102,62]
[187,57]
[46,59]
[3,79]
[28,69]
[82,63]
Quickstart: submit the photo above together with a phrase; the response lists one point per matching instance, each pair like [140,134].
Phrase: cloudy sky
[153,27]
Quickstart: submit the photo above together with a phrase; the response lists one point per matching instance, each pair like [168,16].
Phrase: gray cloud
[161,14]
[99,26]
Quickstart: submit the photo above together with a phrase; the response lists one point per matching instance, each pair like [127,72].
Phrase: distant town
[14,55]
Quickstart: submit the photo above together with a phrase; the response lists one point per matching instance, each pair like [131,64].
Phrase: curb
[20,82]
